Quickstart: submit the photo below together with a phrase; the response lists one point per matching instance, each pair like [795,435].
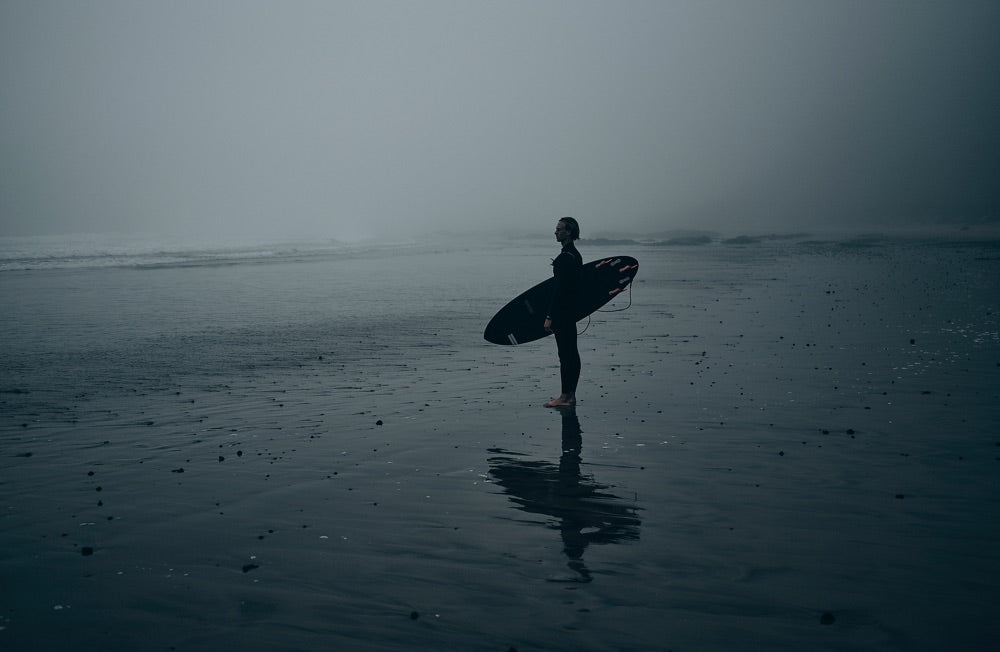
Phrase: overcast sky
[347,119]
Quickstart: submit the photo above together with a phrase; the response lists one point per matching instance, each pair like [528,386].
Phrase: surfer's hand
[547,325]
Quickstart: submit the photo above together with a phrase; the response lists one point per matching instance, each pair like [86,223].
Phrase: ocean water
[788,443]
[128,317]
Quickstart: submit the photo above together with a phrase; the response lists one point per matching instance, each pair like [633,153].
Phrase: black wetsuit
[562,311]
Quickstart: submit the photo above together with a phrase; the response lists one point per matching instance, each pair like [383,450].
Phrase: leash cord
[615,310]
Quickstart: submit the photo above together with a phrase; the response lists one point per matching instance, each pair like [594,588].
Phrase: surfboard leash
[626,307]
[615,310]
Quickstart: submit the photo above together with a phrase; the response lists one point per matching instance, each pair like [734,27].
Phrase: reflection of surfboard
[522,320]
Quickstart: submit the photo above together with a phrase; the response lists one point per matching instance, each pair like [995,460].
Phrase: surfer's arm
[561,272]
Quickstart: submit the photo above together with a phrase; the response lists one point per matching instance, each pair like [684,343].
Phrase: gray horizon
[358,119]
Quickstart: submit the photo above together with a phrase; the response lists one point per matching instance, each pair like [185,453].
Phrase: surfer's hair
[572,226]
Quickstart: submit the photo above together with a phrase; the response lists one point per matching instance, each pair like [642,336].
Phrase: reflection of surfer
[561,318]
[585,512]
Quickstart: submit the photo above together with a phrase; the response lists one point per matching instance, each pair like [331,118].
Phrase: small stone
[827,618]
[86,551]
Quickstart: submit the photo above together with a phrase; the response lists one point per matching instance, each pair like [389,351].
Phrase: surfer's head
[569,227]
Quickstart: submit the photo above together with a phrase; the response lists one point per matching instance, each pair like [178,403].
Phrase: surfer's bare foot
[562,401]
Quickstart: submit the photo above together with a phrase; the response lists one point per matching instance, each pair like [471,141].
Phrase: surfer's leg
[569,362]
[569,366]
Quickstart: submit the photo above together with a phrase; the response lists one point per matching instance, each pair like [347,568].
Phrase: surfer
[560,319]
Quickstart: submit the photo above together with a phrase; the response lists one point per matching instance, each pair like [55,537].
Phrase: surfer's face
[562,233]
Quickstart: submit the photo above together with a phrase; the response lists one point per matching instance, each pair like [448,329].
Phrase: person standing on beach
[561,317]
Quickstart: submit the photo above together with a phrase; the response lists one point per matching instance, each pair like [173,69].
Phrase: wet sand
[781,445]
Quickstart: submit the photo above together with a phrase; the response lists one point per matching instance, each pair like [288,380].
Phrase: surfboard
[522,319]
